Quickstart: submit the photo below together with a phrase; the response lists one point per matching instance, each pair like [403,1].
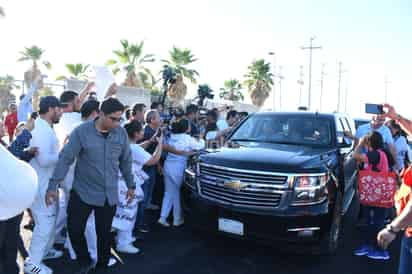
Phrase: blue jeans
[375,219]
[148,188]
[405,260]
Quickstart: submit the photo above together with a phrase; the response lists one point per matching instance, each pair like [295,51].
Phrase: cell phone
[34,115]
[374,109]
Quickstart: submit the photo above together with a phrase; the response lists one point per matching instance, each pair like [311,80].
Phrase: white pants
[124,238]
[173,179]
[64,195]
[61,220]
[91,239]
[44,230]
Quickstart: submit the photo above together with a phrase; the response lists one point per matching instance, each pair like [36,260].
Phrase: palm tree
[232,90]
[6,86]
[33,54]
[76,71]
[131,60]
[178,62]
[259,81]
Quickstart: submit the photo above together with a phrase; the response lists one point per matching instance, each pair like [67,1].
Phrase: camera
[203,92]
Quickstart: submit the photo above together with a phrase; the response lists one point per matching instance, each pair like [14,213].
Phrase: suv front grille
[253,189]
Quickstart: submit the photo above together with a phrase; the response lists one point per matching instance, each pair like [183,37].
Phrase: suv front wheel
[330,240]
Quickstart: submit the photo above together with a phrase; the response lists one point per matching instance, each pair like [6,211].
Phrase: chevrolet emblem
[235,185]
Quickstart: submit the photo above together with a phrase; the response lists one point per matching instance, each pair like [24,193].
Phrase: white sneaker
[163,222]
[46,268]
[53,254]
[178,222]
[112,262]
[130,249]
[31,268]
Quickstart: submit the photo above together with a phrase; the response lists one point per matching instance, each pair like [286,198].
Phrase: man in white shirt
[44,137]
[70,119]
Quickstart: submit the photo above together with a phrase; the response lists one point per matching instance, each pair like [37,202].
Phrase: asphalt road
[179,250]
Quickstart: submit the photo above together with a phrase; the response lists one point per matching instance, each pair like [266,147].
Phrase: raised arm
[157,154]
[406,124]
[357,155]
[125,163]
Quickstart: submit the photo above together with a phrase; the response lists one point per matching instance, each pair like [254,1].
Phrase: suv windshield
[285,129]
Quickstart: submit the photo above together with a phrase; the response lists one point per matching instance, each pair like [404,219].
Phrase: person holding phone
[403,204]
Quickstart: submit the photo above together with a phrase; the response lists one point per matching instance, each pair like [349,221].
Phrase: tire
[330,240]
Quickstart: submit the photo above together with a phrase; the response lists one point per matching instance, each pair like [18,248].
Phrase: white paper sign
[104,79]
[18,186]
[125,216]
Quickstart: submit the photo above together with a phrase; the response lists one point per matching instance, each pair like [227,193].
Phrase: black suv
[279,177]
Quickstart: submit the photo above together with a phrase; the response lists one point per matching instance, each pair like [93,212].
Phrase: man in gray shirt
[101,148]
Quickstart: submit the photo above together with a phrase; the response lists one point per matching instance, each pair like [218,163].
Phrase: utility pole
[280,76]
[300,82]
[274,79]
[346,92]
[340,72]
[310,48]
[340,76]
[321,86]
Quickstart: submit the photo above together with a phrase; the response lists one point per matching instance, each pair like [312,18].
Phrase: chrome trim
[303,229]
[309,203]
[190,172]
[275,189]
[263,172]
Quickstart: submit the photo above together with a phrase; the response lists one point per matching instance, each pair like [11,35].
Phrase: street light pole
[274,79]
[310,48]
[321,86]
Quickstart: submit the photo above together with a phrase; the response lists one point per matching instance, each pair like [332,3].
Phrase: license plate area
[231,226]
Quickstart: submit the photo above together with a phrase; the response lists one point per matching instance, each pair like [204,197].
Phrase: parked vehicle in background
[283,177]
[360,121]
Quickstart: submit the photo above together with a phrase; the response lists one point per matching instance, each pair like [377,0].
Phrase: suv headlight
[310,189]
[191,175]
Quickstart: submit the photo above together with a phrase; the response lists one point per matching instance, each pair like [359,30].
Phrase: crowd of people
[97,164]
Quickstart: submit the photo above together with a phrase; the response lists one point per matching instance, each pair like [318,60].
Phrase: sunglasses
[115,119]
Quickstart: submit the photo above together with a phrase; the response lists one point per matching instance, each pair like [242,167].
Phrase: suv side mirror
[343,141]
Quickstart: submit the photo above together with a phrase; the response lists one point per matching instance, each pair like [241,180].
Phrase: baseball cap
[47,102]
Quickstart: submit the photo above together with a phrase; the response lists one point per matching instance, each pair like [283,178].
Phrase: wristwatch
[390,228]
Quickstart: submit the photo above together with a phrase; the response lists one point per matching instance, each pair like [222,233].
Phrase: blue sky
[371,38]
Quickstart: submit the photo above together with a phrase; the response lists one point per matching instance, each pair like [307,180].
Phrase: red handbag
[377,188]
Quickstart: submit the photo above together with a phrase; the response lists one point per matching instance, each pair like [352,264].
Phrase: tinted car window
[293,129]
